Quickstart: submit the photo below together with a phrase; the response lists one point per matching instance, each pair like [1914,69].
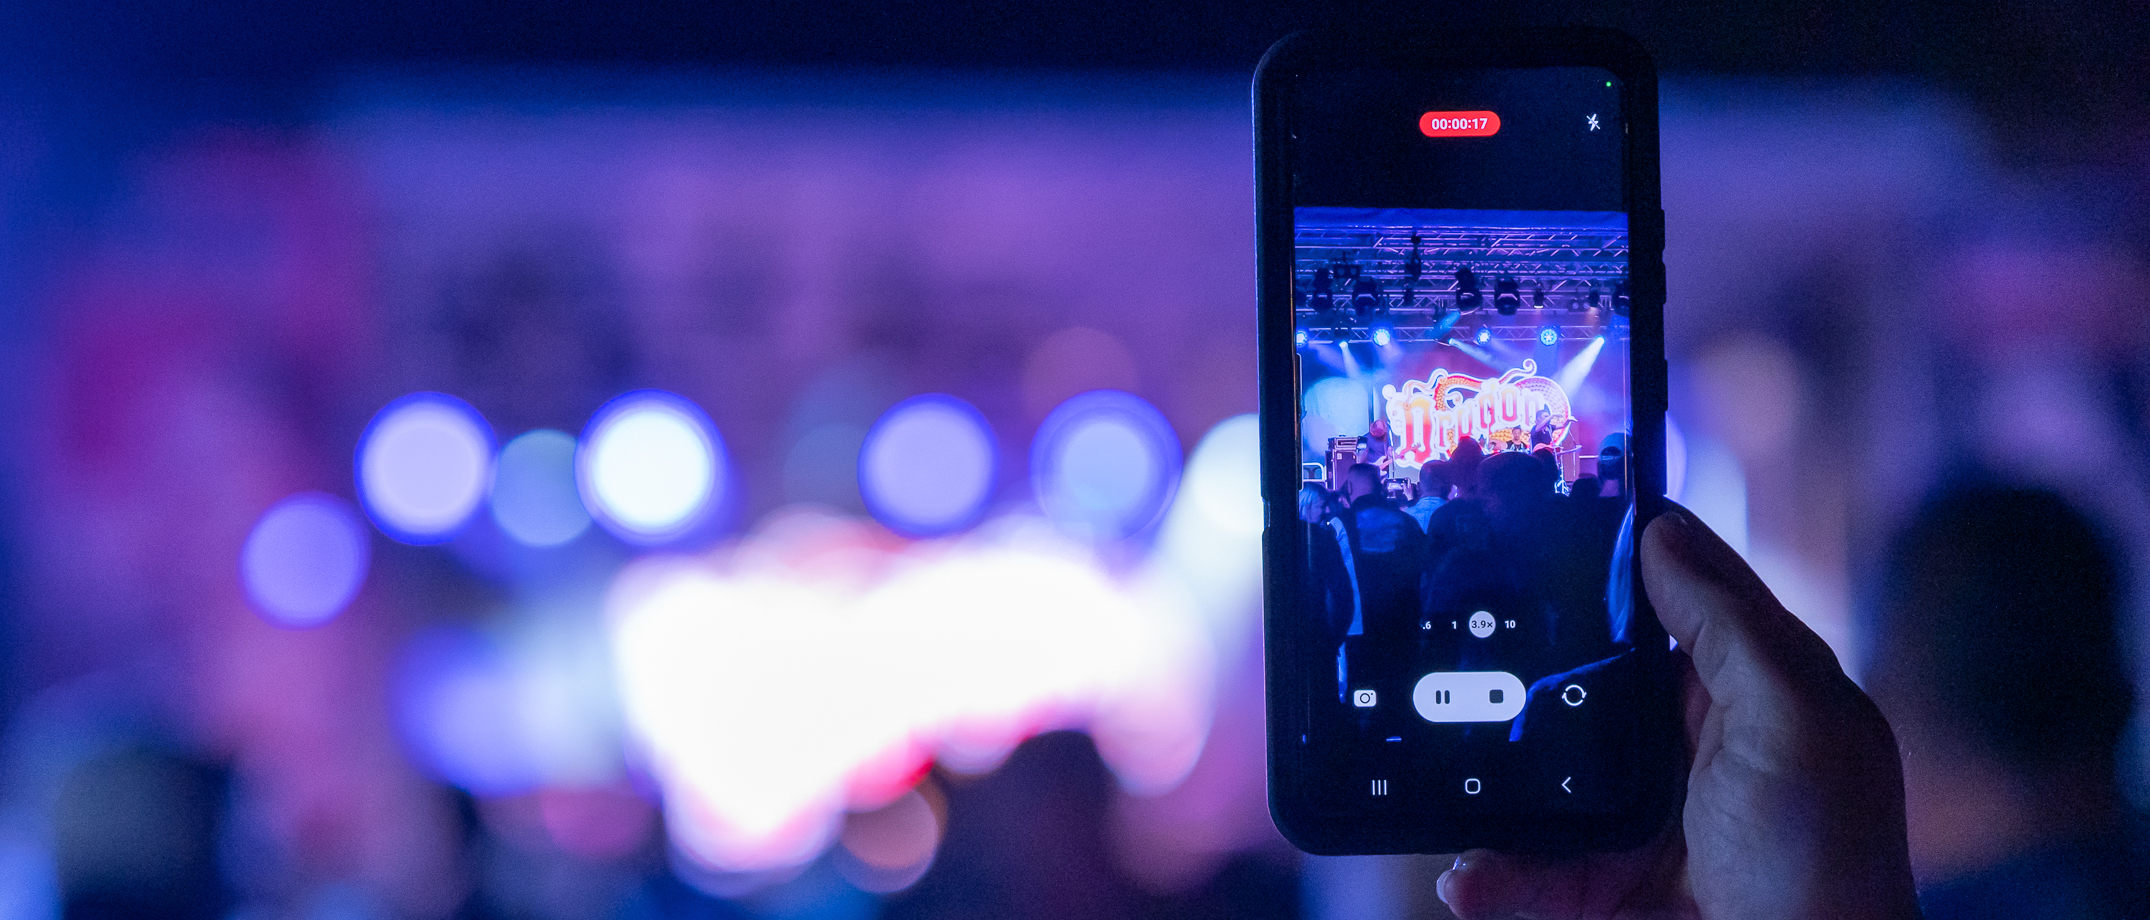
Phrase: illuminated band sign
[1430,417]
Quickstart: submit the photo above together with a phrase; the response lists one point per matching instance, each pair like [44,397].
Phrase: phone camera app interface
[1465,498]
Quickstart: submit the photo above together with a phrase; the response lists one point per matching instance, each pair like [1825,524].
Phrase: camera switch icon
[1364,699]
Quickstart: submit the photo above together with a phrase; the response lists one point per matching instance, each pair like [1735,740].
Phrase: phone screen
[1464,629]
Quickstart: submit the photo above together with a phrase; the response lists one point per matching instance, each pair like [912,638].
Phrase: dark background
[2062,73]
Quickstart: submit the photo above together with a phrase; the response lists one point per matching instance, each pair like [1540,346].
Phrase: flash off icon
[1593,121]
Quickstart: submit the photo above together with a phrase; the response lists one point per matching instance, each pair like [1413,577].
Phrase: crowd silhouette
[1399,568]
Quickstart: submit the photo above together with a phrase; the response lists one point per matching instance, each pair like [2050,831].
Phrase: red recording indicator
[1459,124]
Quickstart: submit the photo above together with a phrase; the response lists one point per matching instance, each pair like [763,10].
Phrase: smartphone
[1462,424]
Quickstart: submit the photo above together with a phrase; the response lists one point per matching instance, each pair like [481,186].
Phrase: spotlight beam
[1571,374]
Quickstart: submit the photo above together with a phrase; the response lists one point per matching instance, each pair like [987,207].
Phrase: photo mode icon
[1364,699]
[1468,696]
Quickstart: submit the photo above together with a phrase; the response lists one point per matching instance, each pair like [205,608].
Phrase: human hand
[1795,802]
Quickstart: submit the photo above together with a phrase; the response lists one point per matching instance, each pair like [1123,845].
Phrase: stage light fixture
[1507,296]
[1413,268]
[1484,335]
[1383,332]
[1365,296]
[1324,286]
[1620,298]
[1593,298]
[1537,295]
[1299,337]
[1549,336]
[1467,296]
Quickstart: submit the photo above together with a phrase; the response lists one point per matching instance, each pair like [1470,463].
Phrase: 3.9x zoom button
[1468,696]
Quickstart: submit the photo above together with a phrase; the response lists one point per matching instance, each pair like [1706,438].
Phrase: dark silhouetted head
[1998,616]
[1433,479]
[1513,483]
[1612,458]
[1361,480]
[1463,464]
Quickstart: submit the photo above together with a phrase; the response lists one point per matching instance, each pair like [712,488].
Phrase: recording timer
[1459,124]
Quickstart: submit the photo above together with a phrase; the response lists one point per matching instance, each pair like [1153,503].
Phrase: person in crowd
[1387,546]
[1996,652]
[1328,551]
[1612,465]
[136,833]
[1795,805]
[1316,503]
[1584,491]
[1463,466]
[1432,492]
[1551,463]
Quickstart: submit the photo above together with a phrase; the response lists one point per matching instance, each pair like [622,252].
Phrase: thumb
[1741,638]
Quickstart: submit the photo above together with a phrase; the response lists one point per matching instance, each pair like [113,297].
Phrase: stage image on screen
[1464,425]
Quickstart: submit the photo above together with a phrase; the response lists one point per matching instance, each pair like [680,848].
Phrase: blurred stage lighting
[1384,332]
[1549,336]
[1484,335]
[1224,477]
[1104,464]
[888,849]
[818,667]
[459,714]
[424,464]
[928,466]
[1343,402]
[304,560]
[651,466]
[535,500]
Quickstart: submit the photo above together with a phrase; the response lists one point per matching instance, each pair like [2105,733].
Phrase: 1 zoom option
[1468,696]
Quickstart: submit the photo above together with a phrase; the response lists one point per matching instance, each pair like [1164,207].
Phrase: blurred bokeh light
[535,499]
[424,465]
[927,467]
[304,560]
[1104,463]
[651,466]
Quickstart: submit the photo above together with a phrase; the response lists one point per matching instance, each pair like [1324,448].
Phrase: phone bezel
[1310,828]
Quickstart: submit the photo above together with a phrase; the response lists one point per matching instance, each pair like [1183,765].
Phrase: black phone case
[1662,751]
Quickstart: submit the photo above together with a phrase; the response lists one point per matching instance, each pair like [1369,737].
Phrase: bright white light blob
[928,466]
[1344,402]
[650,467]
[535,500]
[304,560]
[424,464]
[1224,478]
[818,666]
[1104,463]
[1316,430]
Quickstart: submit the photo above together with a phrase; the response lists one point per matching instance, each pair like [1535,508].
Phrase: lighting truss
[1566,261]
